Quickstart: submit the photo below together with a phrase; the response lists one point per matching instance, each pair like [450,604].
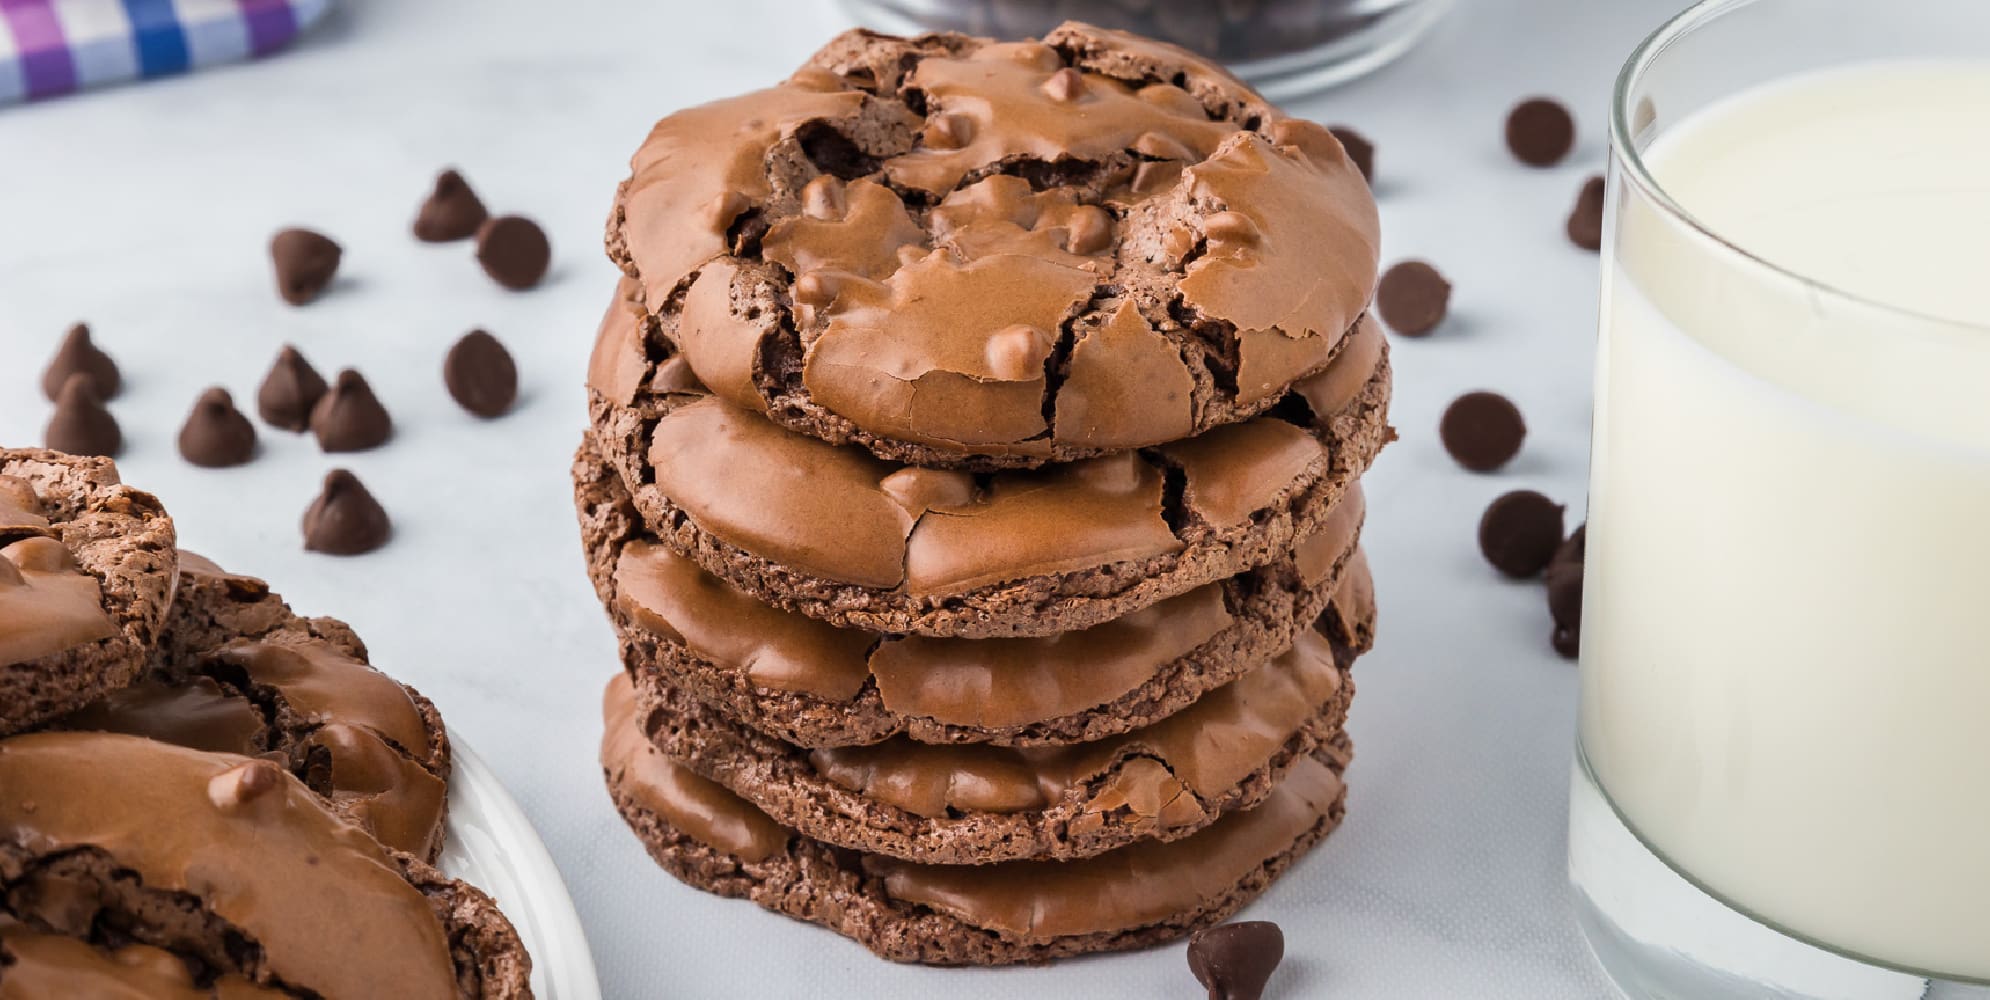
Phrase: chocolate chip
[1564,579]
[345,520]
[1540,132]
[289,391]
[216,434]
[1520,532]
[1234,961]
[514,251]
[349,417]
[81,425]
[1567,641]
[1413,298]
[480,374]
[78,356]
[1482,430]
[452,211]
[1585,225]
[305,262]
[1359,149]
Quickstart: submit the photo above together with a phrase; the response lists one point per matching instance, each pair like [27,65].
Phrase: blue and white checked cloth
[50,47]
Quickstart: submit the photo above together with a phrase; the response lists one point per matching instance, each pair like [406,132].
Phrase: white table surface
[145,211]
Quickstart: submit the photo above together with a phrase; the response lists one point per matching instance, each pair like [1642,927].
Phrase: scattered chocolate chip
[1564,579]
[452,211]
[1540,132]
[480,374]
[1482,430]
[1413,298]
[305,262]
[1520,532]
[1234,961]
[349,417]
[78,356]
[345,520]
[1585,225]
[289,391]
[1359,149]
[216,434]
[1567,642]
[81,425]
[514,251]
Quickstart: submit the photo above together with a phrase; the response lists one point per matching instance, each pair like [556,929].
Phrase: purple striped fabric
[51,47]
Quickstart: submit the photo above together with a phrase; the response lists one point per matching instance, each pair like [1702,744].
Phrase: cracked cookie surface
[237,672]
[837,534]
[86,575]
[978,255]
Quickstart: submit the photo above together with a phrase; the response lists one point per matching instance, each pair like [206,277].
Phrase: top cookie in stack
[1010,394]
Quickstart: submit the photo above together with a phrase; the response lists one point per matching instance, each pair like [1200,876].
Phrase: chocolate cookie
[1015,911]
[982,804]
[813,684]
[838,535]
[238,672]
[86,575]
[976,255]
[232,866]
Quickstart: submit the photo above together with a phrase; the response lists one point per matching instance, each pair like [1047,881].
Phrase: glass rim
[1636,172]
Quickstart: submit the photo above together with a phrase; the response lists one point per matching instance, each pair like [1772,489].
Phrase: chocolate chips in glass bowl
[1283,47]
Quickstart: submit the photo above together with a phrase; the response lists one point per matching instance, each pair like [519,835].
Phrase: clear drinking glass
[1783,773]
[1285,48]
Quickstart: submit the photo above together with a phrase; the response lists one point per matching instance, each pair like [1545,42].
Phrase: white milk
[1786,649]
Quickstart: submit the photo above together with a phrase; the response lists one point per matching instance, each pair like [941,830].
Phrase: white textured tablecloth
[146,209]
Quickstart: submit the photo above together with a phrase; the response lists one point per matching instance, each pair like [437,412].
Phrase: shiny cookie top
[970,254]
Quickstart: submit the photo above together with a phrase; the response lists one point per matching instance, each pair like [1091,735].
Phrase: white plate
[493,846]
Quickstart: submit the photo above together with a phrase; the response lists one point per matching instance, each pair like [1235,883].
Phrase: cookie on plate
[839,535]
[131,847]
[816,685]
[997,914]
[86,575]
[238,672]
[960,253]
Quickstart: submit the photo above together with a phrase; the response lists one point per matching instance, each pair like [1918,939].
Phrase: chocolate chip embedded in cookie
[816,685]
[995,914]
[238,672]
[976,255]
[86,574]
[839,535]
[982,804]
[114,841]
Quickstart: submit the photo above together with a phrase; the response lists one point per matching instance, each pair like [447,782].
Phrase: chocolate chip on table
[451,212]
[1413,298]
[349,417]
[1482,430]
[480,374]
[1520,532]
[1359,150]
[1585,224]
[1540,132]
[81,425]
[305,262]
[1564,579]
[1234,961]
[514,251]
[216,434]
[79,356]
[345,520]
[289,391]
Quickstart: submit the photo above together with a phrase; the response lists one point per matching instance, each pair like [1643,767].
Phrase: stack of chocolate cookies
[972,485]
[202,793]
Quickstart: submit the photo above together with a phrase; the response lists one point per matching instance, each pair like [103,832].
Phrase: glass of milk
[1783,778]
